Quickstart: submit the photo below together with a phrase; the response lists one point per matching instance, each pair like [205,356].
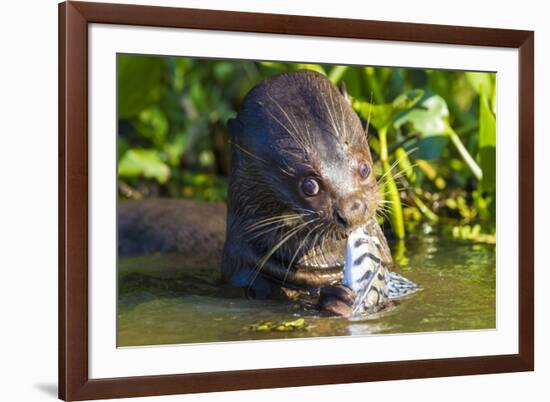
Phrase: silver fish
[369,276]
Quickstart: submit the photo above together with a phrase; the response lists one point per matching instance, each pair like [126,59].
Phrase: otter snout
[349,212]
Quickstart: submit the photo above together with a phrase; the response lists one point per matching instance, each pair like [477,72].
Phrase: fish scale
[365,273]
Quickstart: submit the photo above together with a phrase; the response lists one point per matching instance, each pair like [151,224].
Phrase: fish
[372,280]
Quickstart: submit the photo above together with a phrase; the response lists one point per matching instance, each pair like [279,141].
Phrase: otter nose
[340,219]
[348,212]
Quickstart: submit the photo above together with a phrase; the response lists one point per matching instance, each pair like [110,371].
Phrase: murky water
[168,299]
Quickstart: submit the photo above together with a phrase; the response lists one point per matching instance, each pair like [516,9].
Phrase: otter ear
[235,127]
[344,92]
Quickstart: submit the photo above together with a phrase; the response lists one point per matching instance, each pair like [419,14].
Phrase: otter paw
[337,300]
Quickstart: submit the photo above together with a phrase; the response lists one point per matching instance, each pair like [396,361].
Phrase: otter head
[299,132]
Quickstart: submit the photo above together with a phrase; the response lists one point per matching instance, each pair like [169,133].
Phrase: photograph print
[262,200]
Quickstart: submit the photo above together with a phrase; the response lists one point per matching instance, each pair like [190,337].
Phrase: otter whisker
[399,189]
[396,163]
[298,250]
[336,132]
[389,203]
[343,118]
[384,209]
[273,220]
[295,135]
[289,213]
[286,172]
[399,174]
[310,140]
[270,218]
[292,134]
[285,113]
[386,217]
[280,224]
[247,152]
[309,211]
[286,169]
[382,212]
[316,239]
[270,229]
[341,130]
[268,255]
[323,238]
[298,135]
[386,206]
[286,221]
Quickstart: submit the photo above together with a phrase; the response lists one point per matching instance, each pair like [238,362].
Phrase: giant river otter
[301,183]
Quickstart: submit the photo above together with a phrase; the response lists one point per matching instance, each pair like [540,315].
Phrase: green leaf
[377,115]
[430,121]
[224,70]
[152,124]
[407,100]
[122,146]
[382,115]
[374,81]
[174,149]
[138,163]
[354,81]
[179,73]
[481,82]
[313,67]
[431,147]
[139,83]
[336,73]
[487,144]
[274,65]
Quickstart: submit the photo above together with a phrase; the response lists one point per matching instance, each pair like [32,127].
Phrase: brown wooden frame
[74,17]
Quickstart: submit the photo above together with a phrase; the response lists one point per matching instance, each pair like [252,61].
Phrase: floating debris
[473,233]
[280,326]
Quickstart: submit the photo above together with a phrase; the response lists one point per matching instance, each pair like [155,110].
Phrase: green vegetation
[283,326]
[432,134]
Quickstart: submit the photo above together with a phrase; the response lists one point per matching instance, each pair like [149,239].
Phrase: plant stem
[474,167]
[392,193]
[336,73]
[405,164]
[424,209]
[373,84]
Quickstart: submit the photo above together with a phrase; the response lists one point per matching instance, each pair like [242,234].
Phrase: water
[169,299]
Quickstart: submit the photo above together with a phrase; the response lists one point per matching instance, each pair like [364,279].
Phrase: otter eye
[364,170]
[310,187]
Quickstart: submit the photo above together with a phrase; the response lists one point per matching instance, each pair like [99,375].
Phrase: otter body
[301,181]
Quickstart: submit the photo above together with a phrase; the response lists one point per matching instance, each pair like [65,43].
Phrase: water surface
[171,299]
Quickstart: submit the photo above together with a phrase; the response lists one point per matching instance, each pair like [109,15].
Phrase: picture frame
[74,303]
